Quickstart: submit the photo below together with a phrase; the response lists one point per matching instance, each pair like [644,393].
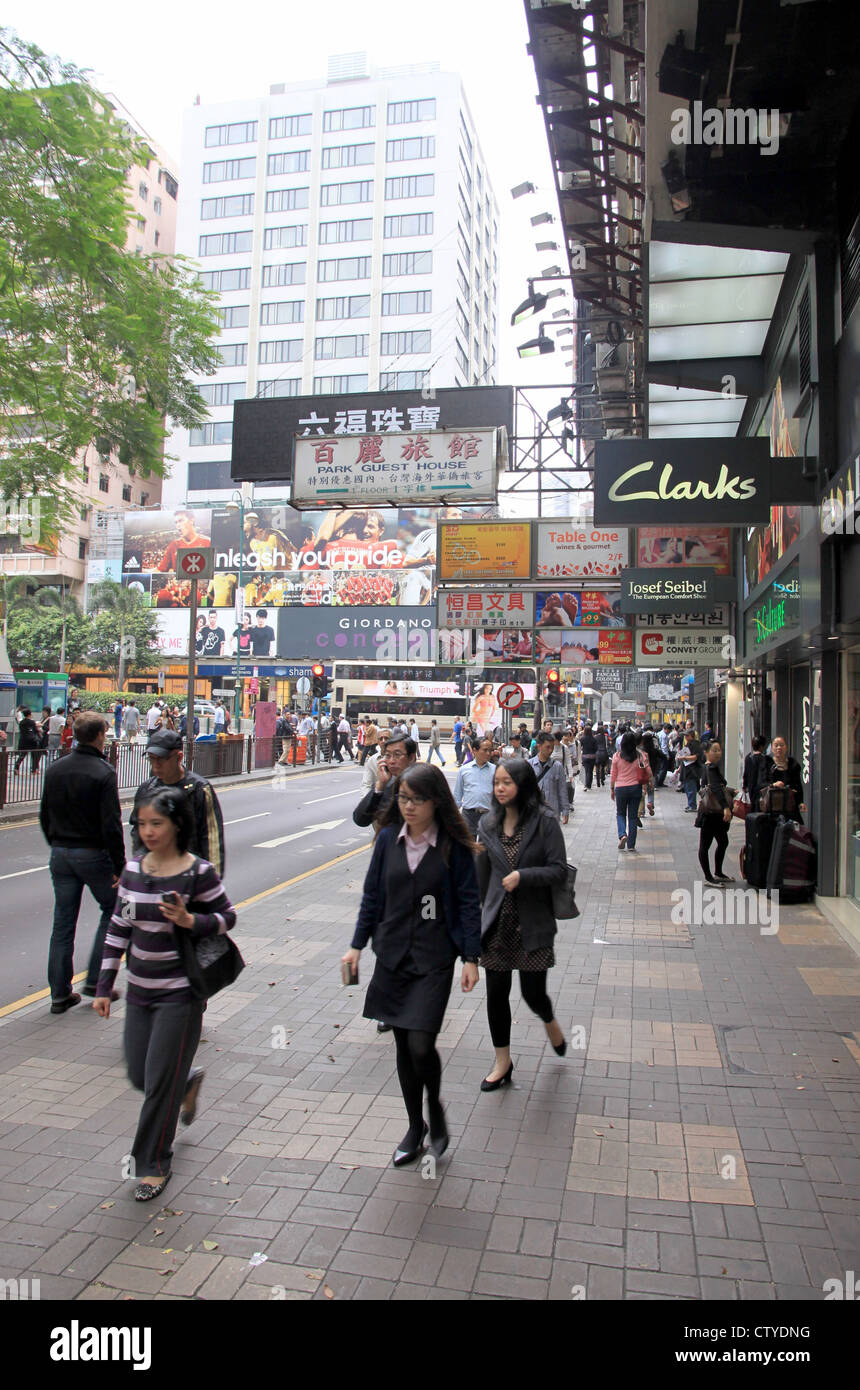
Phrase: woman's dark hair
[426,781]
[627,747]
[759,743]
[174,805]
[528,798]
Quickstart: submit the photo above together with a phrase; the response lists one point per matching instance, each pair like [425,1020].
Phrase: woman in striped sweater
[163,891]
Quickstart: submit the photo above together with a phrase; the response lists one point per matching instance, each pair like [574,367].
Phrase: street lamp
[237,503]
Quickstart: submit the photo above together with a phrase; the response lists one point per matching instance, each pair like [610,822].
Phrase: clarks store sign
[682,480]
[672,591]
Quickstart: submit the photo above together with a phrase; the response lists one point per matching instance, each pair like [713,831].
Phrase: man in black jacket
[400,752]
[164,751]
[82,822]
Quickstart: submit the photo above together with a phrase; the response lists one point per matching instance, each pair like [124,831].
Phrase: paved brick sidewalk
[702,1144]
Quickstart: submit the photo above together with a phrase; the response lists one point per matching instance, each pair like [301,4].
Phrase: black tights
[533,990]
[714,829]
[418,1066]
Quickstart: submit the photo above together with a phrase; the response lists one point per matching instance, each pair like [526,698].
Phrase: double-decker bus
[388,691]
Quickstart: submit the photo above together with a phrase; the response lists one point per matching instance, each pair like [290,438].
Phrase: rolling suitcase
[760,829]
[792,870]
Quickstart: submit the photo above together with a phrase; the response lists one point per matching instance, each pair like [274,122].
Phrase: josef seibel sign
[668,591]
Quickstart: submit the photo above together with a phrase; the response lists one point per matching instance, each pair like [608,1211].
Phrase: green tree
[123,631]
[99,345]
[36,637]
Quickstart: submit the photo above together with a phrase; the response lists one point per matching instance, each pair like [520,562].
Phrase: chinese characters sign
[461,608]
[484,550]
[685,647]
[420,466]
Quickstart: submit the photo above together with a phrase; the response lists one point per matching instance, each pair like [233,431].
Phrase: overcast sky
[158,57]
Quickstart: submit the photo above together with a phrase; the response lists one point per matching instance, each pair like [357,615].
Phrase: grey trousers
[160,1042]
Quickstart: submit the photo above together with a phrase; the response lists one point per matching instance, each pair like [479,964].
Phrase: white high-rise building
[351,230]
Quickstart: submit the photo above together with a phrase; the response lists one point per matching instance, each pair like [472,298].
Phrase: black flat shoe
[439,1138]
[383,1027]
[560,1048]
[722,878]
[403,1156]
[146,1191]
[502,1081]
[189,1102]
[60,1006]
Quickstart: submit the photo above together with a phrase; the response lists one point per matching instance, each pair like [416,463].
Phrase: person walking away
[81,820]
[588,744]
[569,741]
[344,739]
[650,746]
[361,739]
[756,773]
[713,816]
[370,746]
[164,890]
[29,741]
[415,733]
[220,719]
[628,772]
[473,789]
[692,760]
[153,717]
[458,741]
[525,856]
[56,724]
[164,751]
[435,743]
[784,772]
[550,777]
[420,909]
[603,750]
[131,721]
[665,765]
[117,718]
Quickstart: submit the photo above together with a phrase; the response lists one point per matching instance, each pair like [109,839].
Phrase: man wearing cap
[164,751]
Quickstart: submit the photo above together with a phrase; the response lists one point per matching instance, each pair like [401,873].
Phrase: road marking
[258,816]
[20,872]
[297,834]
[336,796]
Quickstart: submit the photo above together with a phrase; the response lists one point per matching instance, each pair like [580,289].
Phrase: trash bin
[301,747]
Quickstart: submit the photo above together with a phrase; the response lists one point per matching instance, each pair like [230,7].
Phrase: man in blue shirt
[473,790]
[458,740]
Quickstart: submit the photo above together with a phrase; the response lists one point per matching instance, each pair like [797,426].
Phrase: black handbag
[564,895]
[210,962]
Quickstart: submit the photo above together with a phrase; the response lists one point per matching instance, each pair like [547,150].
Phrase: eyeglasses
[411,800]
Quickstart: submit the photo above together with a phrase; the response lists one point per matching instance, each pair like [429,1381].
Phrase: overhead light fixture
[559,313]
[537,347]
[563,331]
[676,183]
[563,411]
[567,438]
[553,294]
[546,245]
[535,304]
[551,272]
[521,189]
[542,219]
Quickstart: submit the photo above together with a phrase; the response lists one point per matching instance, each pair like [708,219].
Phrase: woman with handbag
[784,773]
[525,860]
[420,908]
[629,773]
[714,816]
[162,893]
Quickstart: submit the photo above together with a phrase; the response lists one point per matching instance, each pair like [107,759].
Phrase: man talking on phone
[164,751]
[400,753]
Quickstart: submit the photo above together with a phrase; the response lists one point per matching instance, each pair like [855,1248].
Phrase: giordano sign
[776,614]
[640,481]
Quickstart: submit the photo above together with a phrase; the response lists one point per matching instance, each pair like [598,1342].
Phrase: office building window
[281,350]
[415,147]
[335,194]
[238,205]
[462,359]
[293,273]
[281,238]
[344,156]
[227,170]
[142,191]
[407,112]
[287,199]
[82,548]
[360,229]
[223,392]
[141,224]
[288,311]
[144,499]
[225,280]
[239,133]
[85,472]
[291,386]
[220,432]
[464,131]
[355,345]
[236,316]
[415,186]
[104,482]
[409,224]
[283,127]
[156,206]
[407,302]
[352,306]
[350,118]
[403,381]
[407,263]
[290,162]
[339,385]
[397,344]
[233,354]
[462,320]
[126,497]
[348,268]
[463,284]
[170,184]
[225,243]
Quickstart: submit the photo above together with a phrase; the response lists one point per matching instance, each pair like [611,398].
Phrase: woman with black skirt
[421,911]
[525,857]
[714,817]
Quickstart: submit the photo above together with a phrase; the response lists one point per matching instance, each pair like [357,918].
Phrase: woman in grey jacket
[525,856]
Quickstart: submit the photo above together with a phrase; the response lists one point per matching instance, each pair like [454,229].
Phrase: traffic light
[553,681]
[320,681]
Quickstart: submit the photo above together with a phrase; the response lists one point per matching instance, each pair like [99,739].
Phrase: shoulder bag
[644,772]
[564,895]
[210,962]
[709,803]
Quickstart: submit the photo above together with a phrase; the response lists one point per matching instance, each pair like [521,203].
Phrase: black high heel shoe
[502,1081]
[403,1156]
[439,1137]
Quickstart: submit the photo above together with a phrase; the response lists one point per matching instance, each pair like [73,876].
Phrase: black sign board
[642,481]
[667,591]
[264,430]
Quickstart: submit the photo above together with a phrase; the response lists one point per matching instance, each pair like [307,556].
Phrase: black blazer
[462,908]
[542,863]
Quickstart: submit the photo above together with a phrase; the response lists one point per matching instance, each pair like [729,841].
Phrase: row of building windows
[295,272]
[338,157]
[330,233]
[354,306]
[322,385]
[332,195]
[349,118]
[347,345]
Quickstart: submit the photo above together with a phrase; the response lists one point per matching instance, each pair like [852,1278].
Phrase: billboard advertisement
[428,466]
[661,546]
[472,608]
[579,608]
[485,712]
[580,552]
[379,634]
[685,647]
[484,550]
[152,539]
[606,646]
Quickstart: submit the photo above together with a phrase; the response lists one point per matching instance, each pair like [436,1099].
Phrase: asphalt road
[273,832]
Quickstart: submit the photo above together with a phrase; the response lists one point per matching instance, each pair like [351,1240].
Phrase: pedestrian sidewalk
[698,1140]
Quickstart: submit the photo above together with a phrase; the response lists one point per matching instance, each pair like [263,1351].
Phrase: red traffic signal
[318,669]
[319,683]
[552,676]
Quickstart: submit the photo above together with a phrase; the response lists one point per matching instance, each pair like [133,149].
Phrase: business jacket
[461,902]
[756,775]
[542,863]
[373,805]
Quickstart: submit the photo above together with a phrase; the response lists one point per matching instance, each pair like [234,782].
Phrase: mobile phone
[172,898]
[349,972]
